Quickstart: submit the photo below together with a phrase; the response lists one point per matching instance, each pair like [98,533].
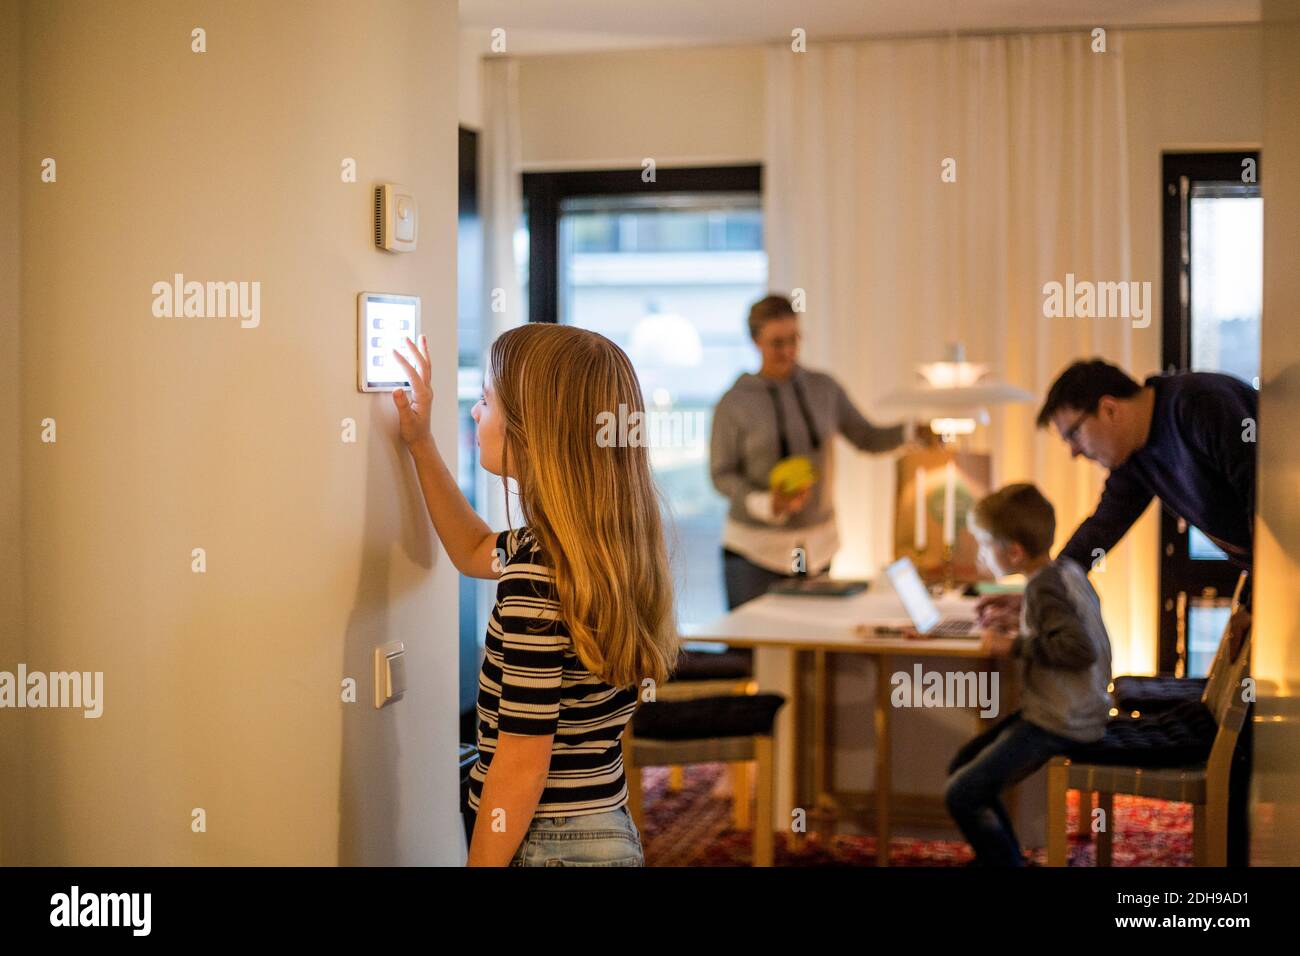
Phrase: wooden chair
[702,673]
[735,729]
[1139,756]
[1138,695]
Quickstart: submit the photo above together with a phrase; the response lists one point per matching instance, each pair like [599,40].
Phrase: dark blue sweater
[1197,461]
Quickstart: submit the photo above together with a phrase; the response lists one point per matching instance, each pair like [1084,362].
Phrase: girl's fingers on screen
[410,370]
[421,357]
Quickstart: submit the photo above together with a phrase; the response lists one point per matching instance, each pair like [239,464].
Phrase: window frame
[1180,574]
[544,192]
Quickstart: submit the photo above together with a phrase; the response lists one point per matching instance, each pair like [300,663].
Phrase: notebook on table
[823,586]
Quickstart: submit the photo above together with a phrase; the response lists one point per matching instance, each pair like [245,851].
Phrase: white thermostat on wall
[384,322]
[397,218]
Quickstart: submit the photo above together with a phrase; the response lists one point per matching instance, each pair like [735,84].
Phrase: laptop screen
[912,592]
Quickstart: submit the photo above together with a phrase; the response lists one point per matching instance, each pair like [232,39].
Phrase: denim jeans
[593,839]
[999,758]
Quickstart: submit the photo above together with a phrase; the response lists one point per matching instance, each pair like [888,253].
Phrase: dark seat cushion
[1148,695]
[735,715]
[1178,737]
[735,663]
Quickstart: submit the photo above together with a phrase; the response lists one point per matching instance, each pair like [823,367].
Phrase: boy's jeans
[998,758]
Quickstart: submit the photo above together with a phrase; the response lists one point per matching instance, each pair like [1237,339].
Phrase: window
[1213,284]
[668,271]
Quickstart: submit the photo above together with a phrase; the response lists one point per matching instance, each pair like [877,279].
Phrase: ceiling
[558,26]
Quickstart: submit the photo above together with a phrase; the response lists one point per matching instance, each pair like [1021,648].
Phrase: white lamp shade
[917,398]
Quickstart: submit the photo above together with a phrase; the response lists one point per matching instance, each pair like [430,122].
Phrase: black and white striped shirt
[533,683]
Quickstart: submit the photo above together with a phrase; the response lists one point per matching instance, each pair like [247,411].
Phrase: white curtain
[501,195]
[501,212]
[896,263]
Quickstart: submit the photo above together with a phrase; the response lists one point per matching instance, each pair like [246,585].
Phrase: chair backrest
[1229,706]
[1215,675]
[1229,710]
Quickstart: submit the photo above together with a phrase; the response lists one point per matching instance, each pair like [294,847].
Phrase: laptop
[927,620]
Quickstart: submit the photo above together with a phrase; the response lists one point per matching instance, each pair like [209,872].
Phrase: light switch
[404,227]
[390,673]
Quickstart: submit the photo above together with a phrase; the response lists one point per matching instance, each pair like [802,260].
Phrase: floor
[692,827]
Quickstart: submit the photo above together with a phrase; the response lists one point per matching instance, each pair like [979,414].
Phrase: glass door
[1213,286]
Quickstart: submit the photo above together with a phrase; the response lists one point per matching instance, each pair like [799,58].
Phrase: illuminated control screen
[384,323]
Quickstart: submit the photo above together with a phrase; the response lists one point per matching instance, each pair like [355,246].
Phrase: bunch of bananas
[792,475]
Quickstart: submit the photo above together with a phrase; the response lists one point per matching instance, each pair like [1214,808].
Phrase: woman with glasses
[782,524]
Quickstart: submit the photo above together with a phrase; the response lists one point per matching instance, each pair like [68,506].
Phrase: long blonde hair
[592,505]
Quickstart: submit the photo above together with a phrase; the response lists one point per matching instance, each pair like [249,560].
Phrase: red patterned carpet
[692,827]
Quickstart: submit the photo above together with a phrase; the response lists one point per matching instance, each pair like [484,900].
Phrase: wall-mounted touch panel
[384,323]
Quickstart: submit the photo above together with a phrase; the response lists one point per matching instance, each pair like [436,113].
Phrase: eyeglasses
[1068,435]
[785,341]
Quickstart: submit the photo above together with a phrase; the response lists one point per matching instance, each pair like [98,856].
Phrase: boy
[1064,652]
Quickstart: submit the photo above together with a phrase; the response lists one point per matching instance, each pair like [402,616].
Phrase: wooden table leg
[823,810]
[883,772]
[793,707]
[776,670]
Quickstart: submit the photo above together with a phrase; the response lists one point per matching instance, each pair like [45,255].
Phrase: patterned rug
[692,827]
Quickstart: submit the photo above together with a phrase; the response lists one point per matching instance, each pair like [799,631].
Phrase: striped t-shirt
[532,683]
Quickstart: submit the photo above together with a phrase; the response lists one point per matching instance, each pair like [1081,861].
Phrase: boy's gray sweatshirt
[1065,654]
[745,443]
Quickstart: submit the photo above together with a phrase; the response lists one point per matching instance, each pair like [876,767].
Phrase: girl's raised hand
[413,407]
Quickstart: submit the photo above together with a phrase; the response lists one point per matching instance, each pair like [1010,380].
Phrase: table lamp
[938,485]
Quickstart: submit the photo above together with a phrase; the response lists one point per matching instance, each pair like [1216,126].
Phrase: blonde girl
[583,611]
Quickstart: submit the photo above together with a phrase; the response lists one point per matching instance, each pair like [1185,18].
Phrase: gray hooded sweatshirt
[1065,654]
[747,429]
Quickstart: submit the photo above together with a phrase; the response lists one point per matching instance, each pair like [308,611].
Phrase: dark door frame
[543,192]
[1179,573]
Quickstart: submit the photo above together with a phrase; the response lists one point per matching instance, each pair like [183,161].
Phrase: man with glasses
[1187,438]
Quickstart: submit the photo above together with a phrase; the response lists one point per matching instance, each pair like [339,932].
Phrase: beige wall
[1187,90]
[222,690]
[699,106]
[470,47]
[1275,824]
[11,564]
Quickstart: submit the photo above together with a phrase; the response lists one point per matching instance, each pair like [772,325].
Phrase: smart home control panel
[384,323]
